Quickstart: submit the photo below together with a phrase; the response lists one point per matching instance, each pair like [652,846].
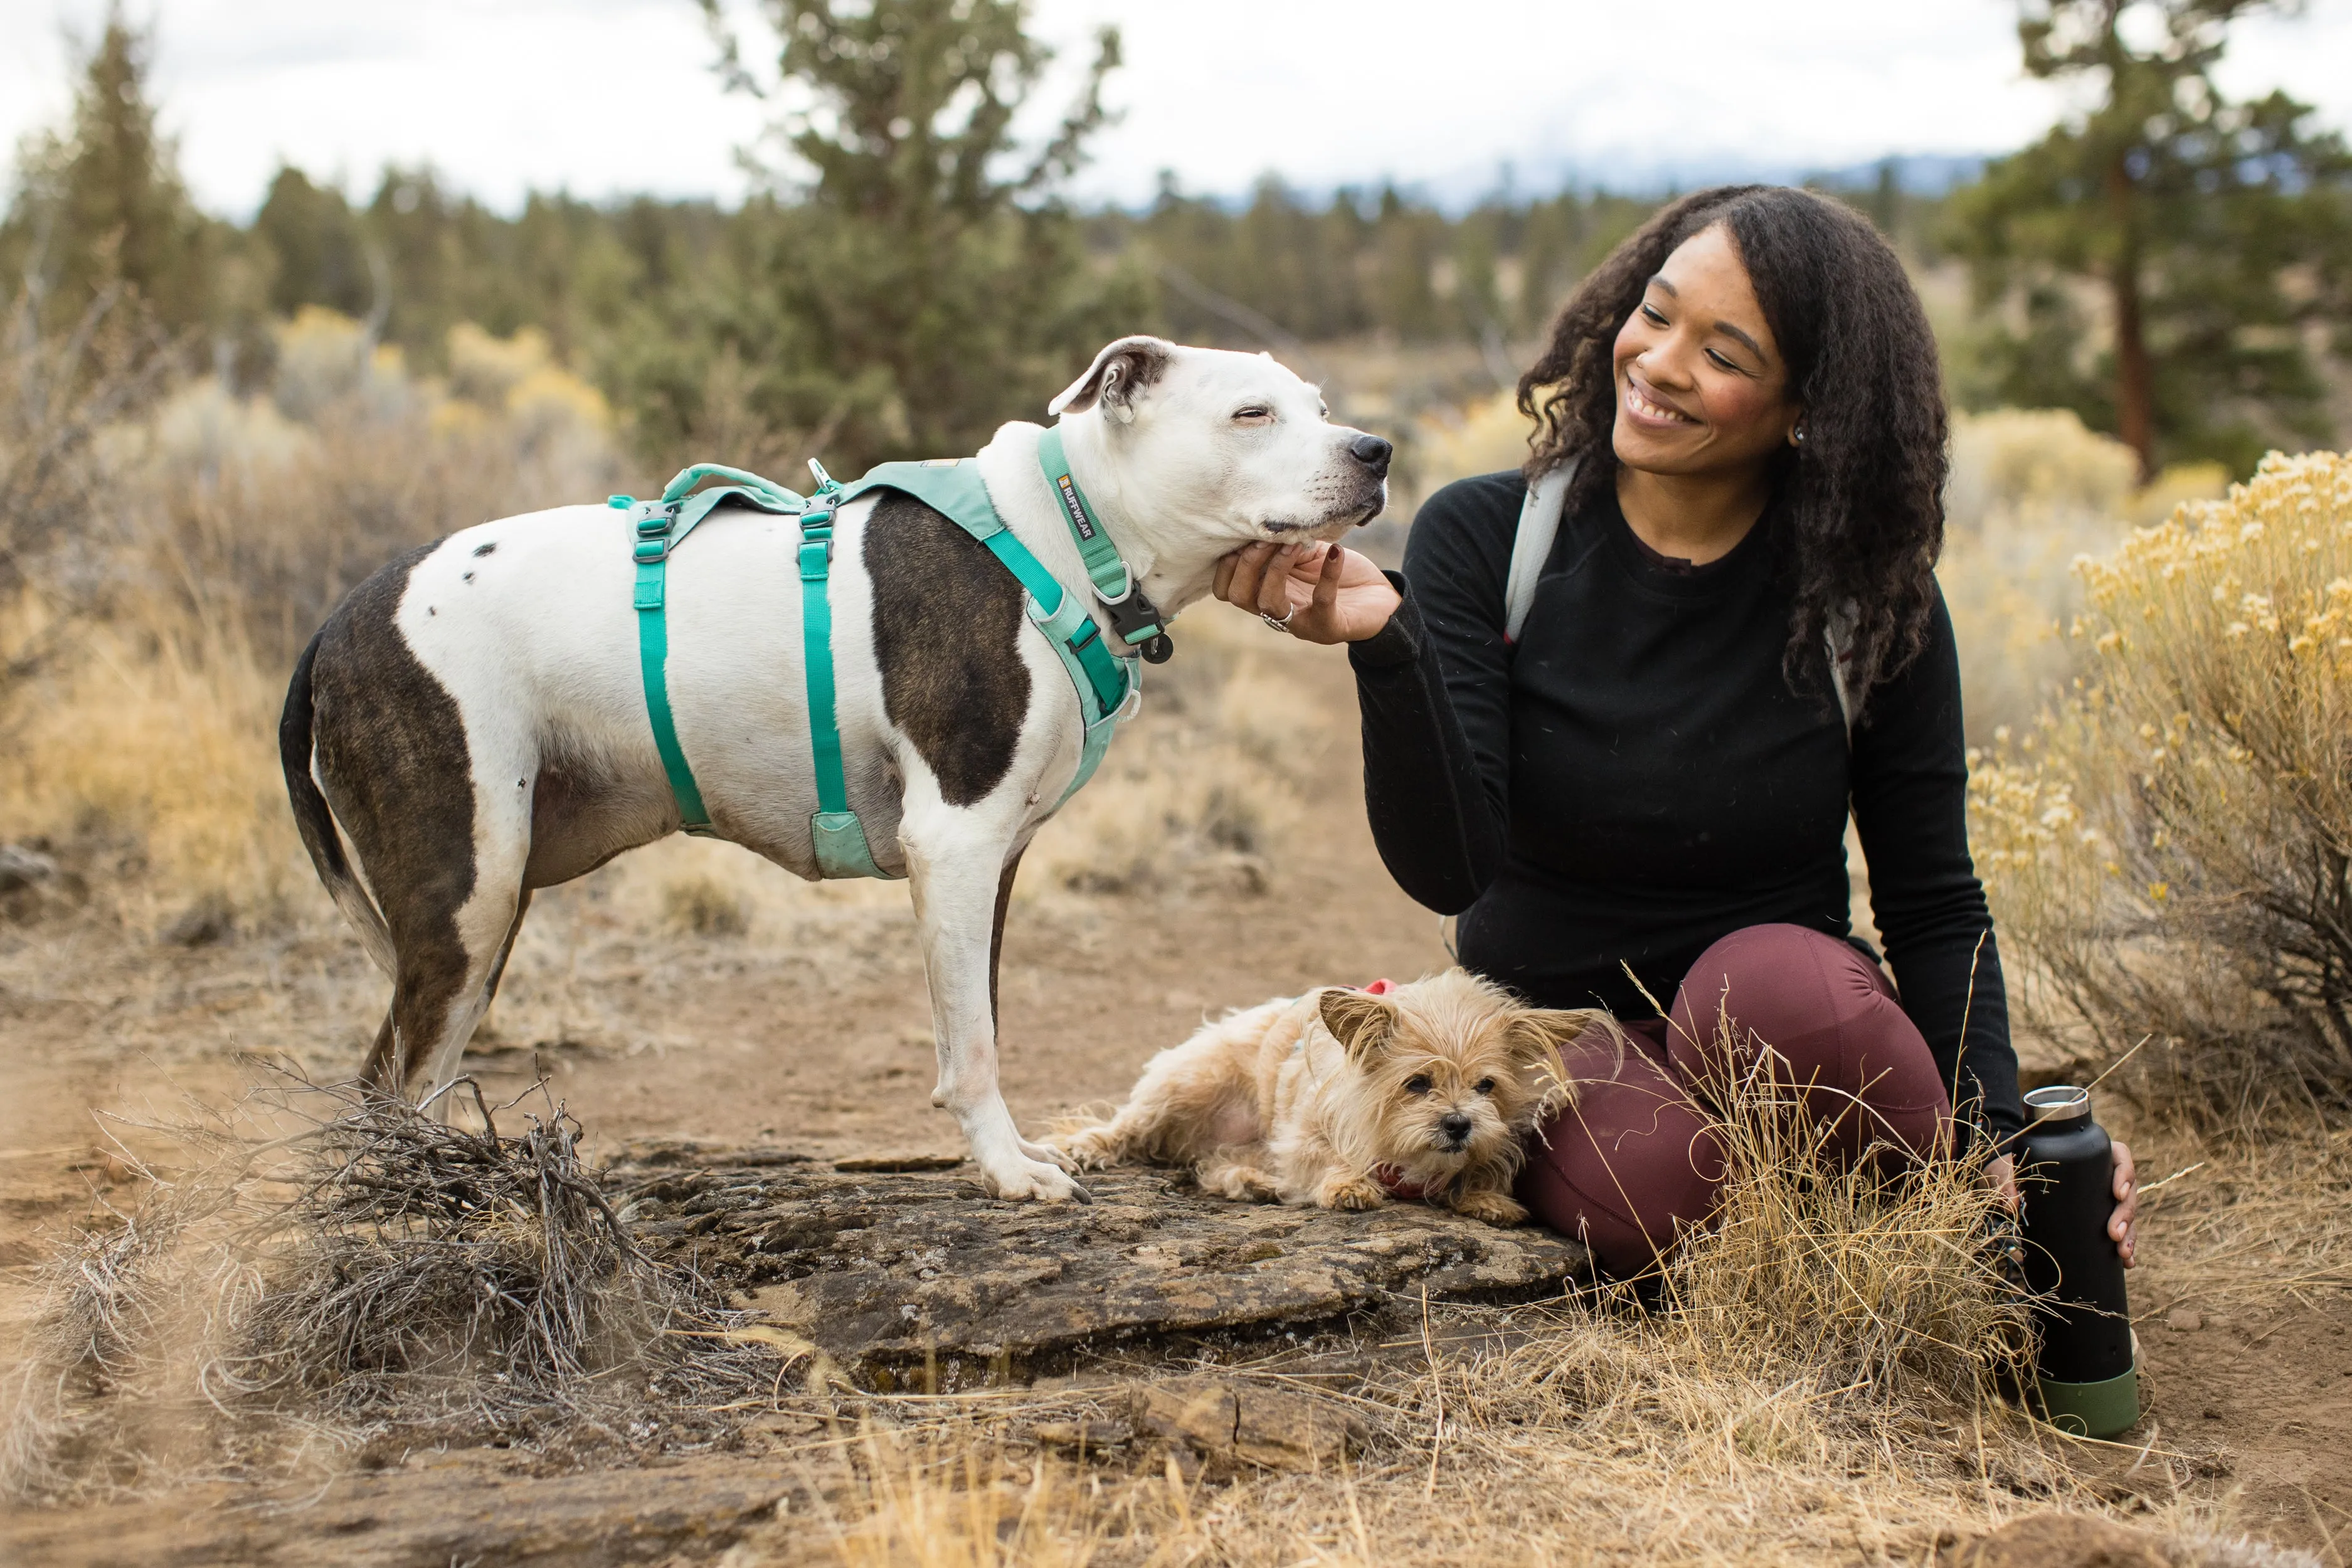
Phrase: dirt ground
[810,1030]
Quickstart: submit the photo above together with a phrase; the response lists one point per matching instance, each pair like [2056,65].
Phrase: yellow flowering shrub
[2168,848]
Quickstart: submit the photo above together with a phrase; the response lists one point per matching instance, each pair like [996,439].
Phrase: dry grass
[2252,1215]
[144,747]
[2170,846]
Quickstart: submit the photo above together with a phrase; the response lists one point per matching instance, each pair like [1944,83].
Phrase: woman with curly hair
[1733,640]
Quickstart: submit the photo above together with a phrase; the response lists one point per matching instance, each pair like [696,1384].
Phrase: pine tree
[101,204]
[930,285]
[315,248]
[2217,236]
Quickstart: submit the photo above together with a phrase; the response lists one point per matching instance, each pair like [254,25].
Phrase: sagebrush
[2168,849]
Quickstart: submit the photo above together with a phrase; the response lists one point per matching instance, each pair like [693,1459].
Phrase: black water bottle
[2087,1376]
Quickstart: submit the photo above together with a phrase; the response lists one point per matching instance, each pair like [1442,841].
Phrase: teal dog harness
[1107,686]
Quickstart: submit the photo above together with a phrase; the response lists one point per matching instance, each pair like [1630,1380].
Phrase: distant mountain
[1917,174]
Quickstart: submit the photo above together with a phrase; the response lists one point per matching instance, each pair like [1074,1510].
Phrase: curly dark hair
[1861,505]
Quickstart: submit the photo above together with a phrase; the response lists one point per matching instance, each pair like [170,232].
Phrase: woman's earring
[1796,436]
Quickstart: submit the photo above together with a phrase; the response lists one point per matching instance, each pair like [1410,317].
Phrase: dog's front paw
[1350,1193]
[1494,1208]
[1033,1181]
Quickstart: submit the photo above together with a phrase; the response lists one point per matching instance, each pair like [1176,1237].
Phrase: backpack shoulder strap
[1531,544]
[1839,634]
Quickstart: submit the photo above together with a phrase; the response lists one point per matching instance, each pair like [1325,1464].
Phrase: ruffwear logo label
[1074,507]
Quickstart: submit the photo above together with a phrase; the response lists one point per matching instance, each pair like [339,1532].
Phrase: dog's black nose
[1370,451]
[1455,1126]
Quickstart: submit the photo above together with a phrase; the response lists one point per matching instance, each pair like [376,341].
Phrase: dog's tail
[316,820]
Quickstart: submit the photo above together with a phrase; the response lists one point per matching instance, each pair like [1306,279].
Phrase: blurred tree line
[2166,265]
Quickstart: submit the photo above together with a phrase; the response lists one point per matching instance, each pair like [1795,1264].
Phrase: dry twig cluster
[378,1276]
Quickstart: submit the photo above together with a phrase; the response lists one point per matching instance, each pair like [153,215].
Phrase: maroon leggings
[1635,1159]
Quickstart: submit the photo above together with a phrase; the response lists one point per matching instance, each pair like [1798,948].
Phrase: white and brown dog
[1346,1098]
[473,717]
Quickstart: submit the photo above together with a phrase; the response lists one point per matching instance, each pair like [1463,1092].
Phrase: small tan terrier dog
[1348,1099]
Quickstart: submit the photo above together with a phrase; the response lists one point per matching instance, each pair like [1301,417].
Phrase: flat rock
[891,1270]
[1234,1424]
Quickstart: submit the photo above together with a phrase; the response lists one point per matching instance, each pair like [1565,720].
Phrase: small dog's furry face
[1448,1073]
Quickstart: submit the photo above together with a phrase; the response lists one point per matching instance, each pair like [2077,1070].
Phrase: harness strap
[1133,617]
[655,539]
[839,837]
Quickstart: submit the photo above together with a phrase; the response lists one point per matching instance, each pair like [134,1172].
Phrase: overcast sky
[607,95]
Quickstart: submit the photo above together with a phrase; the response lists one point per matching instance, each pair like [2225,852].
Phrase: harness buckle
[816,554]
[1136,618]
[649,551]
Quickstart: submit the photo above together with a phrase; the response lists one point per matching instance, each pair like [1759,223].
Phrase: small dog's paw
[1243,1183]
[1494,1208]
[1351,1193]
[1087,1150]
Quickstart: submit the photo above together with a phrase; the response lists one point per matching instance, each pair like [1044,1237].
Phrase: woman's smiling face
[1701,386]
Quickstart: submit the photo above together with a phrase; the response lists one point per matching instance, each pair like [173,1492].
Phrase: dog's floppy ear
[1116,378]
[1361,1022]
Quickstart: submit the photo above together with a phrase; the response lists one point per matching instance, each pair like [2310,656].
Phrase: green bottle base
[2090,1409]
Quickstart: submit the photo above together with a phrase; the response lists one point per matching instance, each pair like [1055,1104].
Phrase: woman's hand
[1330,594]
[2122,1227]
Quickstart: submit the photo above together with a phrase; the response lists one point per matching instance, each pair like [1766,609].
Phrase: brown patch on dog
[392,755]
[946,629]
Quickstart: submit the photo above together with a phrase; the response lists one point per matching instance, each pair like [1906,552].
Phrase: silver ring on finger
[1282,626]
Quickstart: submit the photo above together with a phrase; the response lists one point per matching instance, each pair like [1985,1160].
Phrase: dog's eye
[1417,1084]
[1486,1086]
[1254,414]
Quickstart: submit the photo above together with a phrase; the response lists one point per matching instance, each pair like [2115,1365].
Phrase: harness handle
[678,488]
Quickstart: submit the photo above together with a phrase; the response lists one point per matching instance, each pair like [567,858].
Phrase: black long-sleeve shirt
[1638,778]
